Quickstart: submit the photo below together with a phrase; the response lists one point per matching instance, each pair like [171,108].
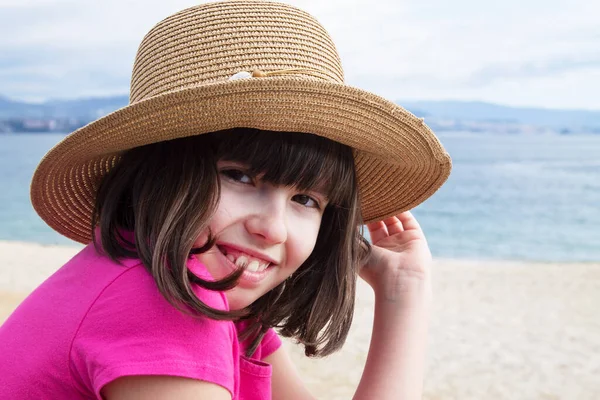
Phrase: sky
[514,52]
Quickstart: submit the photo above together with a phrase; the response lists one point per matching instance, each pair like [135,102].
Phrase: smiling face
[275,190]
[269,230]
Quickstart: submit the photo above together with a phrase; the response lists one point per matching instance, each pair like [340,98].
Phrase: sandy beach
[499,330]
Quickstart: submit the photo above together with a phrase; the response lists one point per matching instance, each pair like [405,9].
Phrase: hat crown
[211,42]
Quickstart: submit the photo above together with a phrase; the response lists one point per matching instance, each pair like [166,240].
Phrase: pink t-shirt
[94,321]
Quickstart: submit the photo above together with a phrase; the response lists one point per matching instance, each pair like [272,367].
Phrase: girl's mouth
[255,269]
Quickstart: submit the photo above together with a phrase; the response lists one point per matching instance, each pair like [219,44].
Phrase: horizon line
[398,102]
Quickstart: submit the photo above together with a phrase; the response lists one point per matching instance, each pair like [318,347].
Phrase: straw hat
[252,64]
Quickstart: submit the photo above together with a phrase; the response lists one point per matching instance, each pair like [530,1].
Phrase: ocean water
[511,197]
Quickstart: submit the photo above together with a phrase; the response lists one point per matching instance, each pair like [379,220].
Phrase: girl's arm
[396,361]
[399,273]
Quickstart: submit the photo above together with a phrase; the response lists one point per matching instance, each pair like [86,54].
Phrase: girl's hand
[400,262]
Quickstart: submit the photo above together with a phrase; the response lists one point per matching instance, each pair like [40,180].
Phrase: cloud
[420,50]
[537,69]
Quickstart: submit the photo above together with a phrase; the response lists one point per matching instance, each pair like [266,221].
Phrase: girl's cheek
[306,233]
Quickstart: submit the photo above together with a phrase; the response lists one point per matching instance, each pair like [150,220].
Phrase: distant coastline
[62,125]
[42,125]
[57,116]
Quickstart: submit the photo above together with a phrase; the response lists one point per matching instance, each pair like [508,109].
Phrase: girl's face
[269,229]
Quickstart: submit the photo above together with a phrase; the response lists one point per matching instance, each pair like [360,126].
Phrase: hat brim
[399,161]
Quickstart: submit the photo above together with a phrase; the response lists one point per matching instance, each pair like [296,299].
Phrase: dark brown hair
[167,192]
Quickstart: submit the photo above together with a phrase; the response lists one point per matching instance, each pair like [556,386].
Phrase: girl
[225,201]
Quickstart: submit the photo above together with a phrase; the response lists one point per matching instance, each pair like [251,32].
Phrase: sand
[499,330]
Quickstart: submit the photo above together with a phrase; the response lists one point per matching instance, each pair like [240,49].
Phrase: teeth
[262,267]
[241,261]
[253,266]
[244,262]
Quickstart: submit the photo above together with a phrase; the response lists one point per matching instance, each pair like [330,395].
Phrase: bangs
[304,161]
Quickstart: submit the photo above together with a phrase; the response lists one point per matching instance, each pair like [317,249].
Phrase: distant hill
[487,112]
[15,109]
[84,109]
[440,115]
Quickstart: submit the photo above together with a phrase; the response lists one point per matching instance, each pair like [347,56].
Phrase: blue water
[509,197]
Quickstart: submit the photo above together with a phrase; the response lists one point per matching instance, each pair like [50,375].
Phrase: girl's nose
[268,222]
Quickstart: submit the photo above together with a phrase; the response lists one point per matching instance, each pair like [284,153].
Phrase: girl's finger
[378,231]
[394,225]
[408,221]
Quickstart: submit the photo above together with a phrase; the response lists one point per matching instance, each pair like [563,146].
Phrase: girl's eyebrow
[323,187]
[320,191]
[233,162]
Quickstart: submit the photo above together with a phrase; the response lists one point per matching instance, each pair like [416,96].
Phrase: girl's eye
[306,201]
[237,175]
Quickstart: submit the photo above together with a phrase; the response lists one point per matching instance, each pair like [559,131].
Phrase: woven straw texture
[180,87]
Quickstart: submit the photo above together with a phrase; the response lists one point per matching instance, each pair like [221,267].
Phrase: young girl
[222,205]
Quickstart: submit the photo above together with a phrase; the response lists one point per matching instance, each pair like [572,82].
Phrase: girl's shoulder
[128,289]
[126,282]
[132,304]
[131,329]
[135,284]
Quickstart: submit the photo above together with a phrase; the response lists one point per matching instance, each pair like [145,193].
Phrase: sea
[509,197]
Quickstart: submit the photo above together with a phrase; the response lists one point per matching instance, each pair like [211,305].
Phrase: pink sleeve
[269,344]
[132,330]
